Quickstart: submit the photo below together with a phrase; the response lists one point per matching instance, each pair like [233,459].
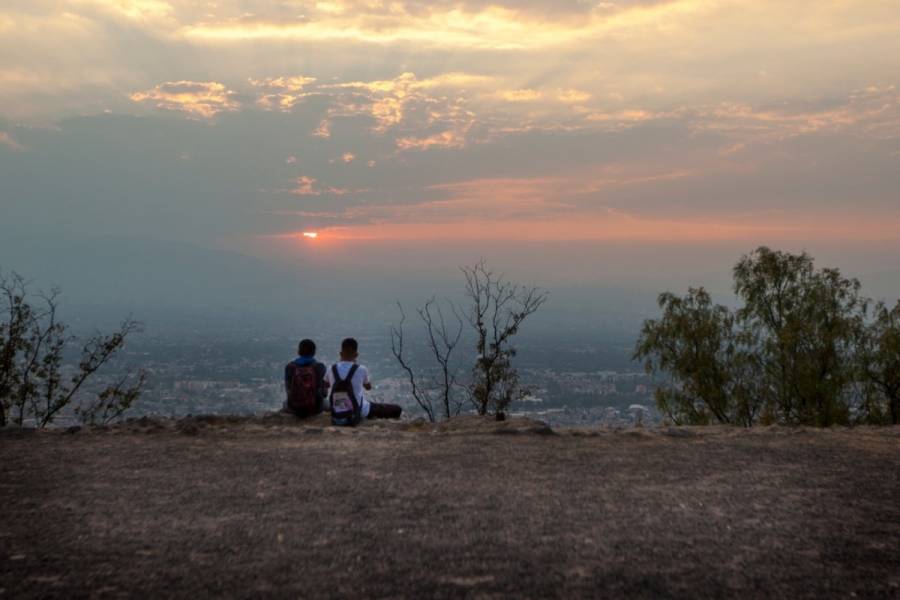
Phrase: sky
[633,144]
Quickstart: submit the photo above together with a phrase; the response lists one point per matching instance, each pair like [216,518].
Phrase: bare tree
[420,394]
[442,339]
[113,401]
[32,344]
[497,309]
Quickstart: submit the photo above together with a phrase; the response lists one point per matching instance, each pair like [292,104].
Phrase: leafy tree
[699,345]
[33,342]
[808,322]
[881,361]
[799,350]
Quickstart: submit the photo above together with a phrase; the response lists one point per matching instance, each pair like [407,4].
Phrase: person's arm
[366,383]
[287,379]
[323,375]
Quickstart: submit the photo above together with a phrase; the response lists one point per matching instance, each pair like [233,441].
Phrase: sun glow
[310,234]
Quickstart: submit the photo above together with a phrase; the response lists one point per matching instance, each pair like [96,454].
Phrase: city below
[202,374]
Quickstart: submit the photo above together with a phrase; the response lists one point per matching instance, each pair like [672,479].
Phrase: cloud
[873,112]
[444,139]
[422,113]
[573,96]
[9,141]
[525,95]
[280,93]
[134,10]
[309,186]
[610,227]
[323,131]
[203,99]
[473,110]
[653,54]
[490,27]
[305,187]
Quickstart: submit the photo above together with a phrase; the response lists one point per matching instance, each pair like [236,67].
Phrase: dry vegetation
[269,506]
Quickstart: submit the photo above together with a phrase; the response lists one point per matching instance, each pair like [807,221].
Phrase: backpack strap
[357,405]
[350,373]
[353,368]
[337,378]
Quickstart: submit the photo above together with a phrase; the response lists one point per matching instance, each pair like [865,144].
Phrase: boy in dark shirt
[307,357]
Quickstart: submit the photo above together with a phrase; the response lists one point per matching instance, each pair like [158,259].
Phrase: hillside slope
[248,507]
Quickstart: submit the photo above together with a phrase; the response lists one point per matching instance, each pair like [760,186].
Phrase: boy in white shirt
[360,383]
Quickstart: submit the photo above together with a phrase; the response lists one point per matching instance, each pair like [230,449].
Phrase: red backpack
[302,394]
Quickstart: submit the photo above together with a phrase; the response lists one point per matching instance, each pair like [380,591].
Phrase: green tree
[800,350]
[808,323]
[881,361]
[700,346]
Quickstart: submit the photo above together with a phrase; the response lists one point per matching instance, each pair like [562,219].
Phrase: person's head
[349,349]
[306,348]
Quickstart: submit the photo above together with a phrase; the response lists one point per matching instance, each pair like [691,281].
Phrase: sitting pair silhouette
[309,384]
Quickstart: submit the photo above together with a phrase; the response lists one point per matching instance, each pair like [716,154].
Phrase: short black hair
[306,348]
[349,345]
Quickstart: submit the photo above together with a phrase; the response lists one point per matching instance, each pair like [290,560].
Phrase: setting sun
[310,234]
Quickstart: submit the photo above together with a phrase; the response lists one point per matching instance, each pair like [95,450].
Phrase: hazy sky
[572,140]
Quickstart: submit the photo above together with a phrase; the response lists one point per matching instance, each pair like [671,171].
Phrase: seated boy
[360,382]
[304,382]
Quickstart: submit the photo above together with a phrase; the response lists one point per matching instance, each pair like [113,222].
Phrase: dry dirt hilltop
[260,507]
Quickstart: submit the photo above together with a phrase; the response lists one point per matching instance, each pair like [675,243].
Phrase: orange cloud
[487,27]
[407,103]
[323,130]
[309,186]
[502,199]
[281,93]
[305,187]
[445,139]
[614,226]
[573,96]
[10,142]
[523,95]
[136,10]
[203,99]
[873,111]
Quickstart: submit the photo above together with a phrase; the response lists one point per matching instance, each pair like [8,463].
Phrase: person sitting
[349,382]
[304,382]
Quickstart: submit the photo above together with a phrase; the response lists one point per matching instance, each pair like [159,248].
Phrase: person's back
[349,382]
[304,382]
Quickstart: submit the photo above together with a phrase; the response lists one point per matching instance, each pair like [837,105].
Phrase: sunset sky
[240,125]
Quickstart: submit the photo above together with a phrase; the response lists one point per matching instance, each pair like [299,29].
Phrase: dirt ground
[268,507]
